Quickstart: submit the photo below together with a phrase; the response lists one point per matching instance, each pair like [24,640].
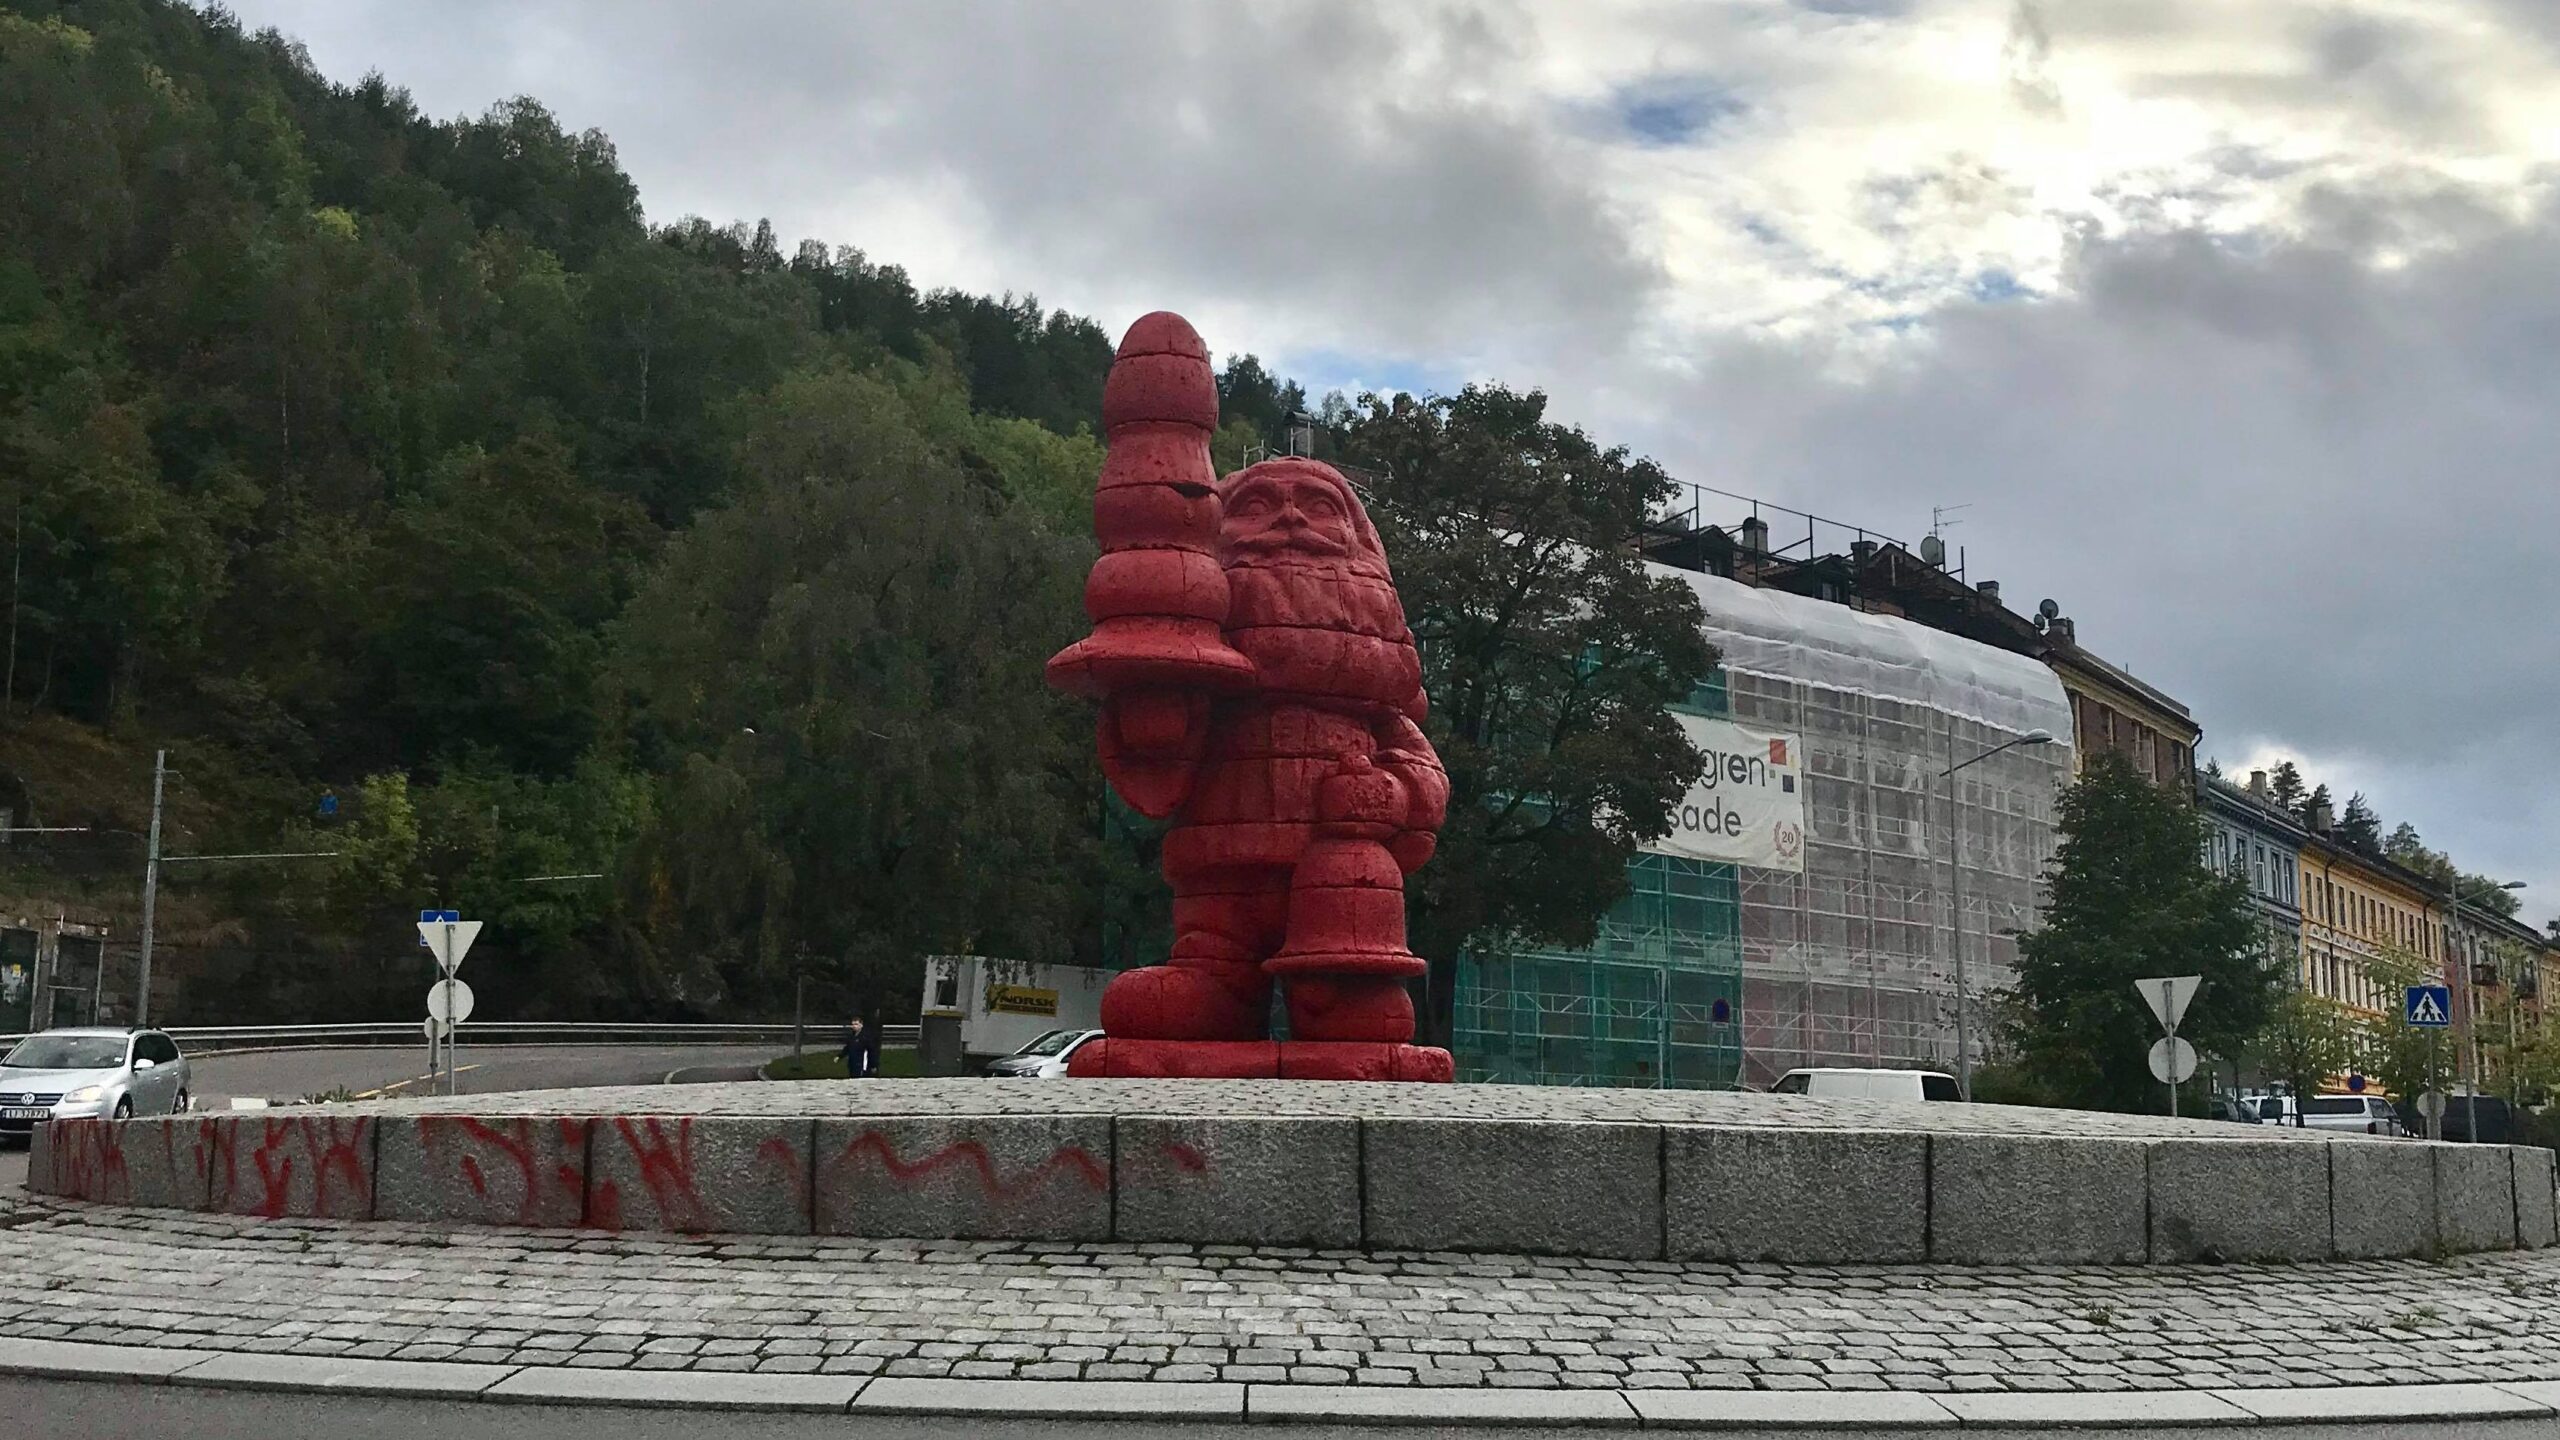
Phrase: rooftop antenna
[1933,546]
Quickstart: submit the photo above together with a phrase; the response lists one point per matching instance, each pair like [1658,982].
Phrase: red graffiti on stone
[783,1156]
[87,1161]
[331,1155]
[666,1172]
[514,1142]
[1260,689]
[972,1157]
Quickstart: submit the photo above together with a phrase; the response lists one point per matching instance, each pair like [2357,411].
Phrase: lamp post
[1955,893]
[2454,897]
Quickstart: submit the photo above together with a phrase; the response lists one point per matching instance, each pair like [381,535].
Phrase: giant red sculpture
[1260,689]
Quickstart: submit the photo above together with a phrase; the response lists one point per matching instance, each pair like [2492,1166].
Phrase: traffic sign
[428,916]
[2431,1105]
[438,1029]
[2429,1007]
[2355,1084]
[448,937]
[2167,995]
[2172,1060]
[449,1000]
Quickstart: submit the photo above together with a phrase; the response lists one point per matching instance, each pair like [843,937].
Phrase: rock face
[1260,689]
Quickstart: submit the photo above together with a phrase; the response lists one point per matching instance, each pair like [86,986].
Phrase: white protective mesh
[1850,963]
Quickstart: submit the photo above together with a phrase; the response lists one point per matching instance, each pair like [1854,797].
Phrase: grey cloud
[2307,494]
[1312,157]
[2311,498]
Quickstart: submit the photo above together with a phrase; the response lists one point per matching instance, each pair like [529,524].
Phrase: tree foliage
[1550,655]
[2284,785]
[346,449]
[2129,902]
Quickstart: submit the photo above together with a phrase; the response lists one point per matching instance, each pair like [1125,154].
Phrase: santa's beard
[1317,592]
[1322,627]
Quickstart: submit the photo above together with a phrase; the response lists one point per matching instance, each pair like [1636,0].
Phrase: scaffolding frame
[1849,962]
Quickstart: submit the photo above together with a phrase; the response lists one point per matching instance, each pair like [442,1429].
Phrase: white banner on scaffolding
[1748,807]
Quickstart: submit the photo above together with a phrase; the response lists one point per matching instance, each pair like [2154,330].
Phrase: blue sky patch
[1673,110]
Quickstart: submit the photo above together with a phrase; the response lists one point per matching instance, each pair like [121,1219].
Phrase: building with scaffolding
[1809,907]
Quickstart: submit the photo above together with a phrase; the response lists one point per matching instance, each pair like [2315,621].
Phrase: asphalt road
[401,1070]
[94,1410]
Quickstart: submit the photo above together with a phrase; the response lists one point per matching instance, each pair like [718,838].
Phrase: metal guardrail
[202,1039]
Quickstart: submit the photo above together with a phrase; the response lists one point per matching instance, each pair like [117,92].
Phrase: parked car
[1841,1084]
[94,1070]
[2350,1114]
[1044,1058]
[2482,1118]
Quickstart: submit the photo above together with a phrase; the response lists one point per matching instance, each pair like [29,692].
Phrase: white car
[1045,1058]
[95,1070]
[1843,1084]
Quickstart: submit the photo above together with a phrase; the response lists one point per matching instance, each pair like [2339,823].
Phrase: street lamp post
[2471,991]
[1955,895]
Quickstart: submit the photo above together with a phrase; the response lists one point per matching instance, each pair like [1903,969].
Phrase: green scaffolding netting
[1655,1001]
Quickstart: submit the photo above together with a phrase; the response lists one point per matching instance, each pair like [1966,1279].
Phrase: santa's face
[1270,515]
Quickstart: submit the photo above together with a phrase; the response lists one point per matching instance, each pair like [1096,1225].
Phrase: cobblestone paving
[1321,1097]
[1163,1312]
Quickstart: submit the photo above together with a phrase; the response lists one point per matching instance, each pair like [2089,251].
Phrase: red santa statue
[1259,687]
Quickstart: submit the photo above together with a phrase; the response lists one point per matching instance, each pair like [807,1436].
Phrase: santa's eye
[1254,505]
[1321,507]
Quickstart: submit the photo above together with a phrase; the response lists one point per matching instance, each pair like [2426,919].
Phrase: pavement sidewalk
[1226,1334]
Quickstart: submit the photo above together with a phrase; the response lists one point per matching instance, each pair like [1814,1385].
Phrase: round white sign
[449,1000]
[437,1029]
[2172,1060]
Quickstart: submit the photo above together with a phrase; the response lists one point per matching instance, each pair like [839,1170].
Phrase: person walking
[861,1054]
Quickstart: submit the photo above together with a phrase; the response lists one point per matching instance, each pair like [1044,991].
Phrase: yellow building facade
[2356,909]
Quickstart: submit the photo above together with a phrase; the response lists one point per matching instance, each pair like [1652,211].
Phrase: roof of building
[2336,851]
[2257,809]
[1785,636]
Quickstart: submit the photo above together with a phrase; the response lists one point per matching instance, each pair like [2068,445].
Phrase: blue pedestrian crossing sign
[2430,1007]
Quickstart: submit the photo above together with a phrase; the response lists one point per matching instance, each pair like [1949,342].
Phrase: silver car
[90,1071]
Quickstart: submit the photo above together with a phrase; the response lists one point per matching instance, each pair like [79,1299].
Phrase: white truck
[1003,1005]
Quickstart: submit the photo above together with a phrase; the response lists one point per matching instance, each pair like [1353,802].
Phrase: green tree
[839,677]
[2360,826]
[2313,803]
[2130,902]
[2284,785]
[2305,1041]
[1551,656]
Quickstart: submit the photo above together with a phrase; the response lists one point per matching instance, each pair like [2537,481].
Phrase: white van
[2349,1114]
[1868,1085]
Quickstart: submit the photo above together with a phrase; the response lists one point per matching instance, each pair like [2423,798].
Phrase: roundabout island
[1336,1166]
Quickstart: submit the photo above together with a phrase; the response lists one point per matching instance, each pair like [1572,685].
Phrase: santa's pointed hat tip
[1162,332]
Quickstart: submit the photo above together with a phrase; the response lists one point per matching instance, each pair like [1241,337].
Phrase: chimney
[1755,535]
[2059,628]
[2321,819]
[2258,783]
[1990,590]
[1862,551]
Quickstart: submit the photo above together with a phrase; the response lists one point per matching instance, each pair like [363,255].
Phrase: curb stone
[1229,1403]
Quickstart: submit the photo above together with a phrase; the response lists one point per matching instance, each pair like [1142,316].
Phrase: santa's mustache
[1311,542]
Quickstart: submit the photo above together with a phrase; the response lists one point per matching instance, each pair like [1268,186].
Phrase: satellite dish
[2048,610]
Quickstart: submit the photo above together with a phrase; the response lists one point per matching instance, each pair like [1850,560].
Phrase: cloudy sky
[2236,325]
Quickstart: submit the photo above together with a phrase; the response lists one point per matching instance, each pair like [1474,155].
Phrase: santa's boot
[1211,989]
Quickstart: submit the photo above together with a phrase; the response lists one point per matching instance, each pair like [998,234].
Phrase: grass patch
[896,1063]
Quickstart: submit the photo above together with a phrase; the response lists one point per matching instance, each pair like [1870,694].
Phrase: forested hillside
[353,453]
[340,442]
